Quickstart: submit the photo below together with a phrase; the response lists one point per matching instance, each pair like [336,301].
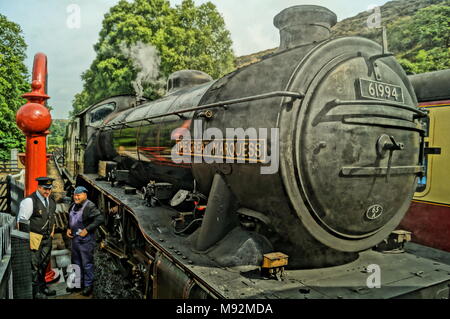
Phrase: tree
[186,37]
[57,131]
[201,40]
[13,83]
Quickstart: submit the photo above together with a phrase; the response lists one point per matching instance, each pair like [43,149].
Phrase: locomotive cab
[80,135]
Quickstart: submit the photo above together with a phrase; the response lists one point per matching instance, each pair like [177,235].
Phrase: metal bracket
[181,116]
[432,151]
[388,143]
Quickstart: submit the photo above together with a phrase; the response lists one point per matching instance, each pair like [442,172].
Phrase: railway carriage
[429,216]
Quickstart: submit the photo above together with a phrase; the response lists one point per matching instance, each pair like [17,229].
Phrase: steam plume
[146,61]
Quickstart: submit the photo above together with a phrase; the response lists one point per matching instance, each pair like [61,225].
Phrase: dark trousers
[39,261]
[83,256]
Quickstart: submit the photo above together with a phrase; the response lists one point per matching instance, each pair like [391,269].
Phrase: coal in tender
[110,282]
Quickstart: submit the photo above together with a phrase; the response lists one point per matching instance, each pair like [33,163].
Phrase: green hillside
[418,33]
[391,13]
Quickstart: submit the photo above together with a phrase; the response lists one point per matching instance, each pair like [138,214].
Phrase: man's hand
[83,233]
[69,233]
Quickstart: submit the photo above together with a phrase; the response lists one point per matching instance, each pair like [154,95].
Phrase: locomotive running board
[401,275]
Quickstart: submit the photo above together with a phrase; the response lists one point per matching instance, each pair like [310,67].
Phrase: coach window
[100,113]
[422,184]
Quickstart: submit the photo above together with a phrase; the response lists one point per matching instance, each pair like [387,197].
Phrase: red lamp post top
[37,93]
[40,71]
[34,117]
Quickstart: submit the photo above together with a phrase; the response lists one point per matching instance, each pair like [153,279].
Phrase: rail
[6,226]
[58,157]
[419,112]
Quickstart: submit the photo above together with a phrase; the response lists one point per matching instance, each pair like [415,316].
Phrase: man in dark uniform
[39,208]
[84,218]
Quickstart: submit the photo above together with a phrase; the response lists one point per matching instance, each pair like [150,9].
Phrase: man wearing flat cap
[84,218]
[39,208]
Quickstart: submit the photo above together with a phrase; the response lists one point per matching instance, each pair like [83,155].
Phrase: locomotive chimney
[303,24]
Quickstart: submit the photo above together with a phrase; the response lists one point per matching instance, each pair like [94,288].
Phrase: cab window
[100,113]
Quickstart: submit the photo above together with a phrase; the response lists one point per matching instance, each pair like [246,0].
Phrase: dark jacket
[42,219]
[92,217]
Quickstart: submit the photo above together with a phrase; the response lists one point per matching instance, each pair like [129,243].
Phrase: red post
[34,120]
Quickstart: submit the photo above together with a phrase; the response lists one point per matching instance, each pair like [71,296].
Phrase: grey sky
[70,51]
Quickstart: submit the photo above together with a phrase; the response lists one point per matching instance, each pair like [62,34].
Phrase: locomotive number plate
[380,91]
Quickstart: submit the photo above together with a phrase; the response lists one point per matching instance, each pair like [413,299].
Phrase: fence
[15,257]
[9,167]
[6,285]
[15,195]
[4,195]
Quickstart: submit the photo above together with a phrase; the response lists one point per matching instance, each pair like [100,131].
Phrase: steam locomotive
[275,181]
